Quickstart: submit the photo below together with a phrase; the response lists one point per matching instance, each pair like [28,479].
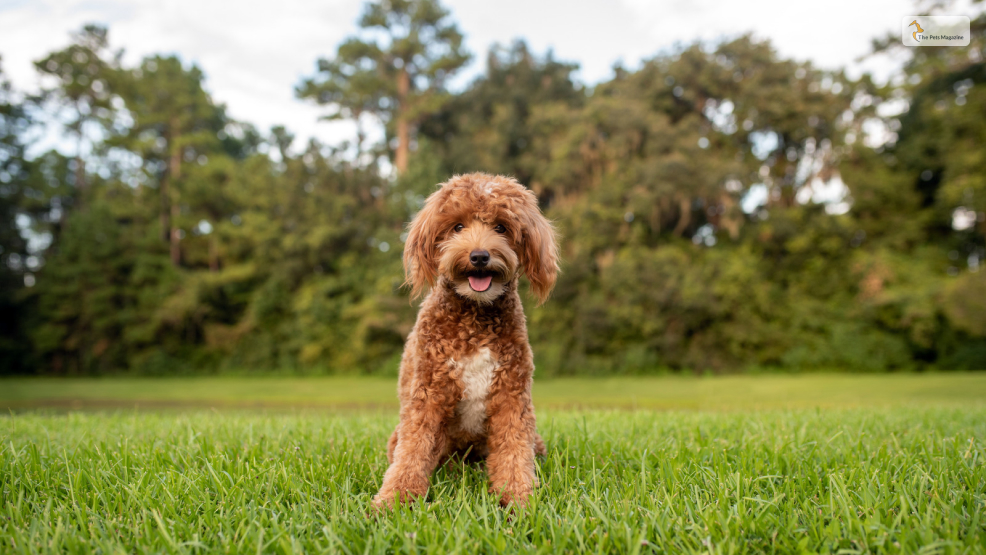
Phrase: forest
[721,208]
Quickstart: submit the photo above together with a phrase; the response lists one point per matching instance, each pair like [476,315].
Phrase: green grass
[885,479]
[806,463]
[680,392]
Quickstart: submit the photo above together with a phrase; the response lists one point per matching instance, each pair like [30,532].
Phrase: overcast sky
[253,53]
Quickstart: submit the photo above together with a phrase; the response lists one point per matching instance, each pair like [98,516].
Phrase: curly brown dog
[465,376]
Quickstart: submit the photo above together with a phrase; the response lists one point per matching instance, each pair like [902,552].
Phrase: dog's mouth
[480,281]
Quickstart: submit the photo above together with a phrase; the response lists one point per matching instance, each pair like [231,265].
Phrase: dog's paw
[383,502]
[513,495]
[513,501]
[403,490]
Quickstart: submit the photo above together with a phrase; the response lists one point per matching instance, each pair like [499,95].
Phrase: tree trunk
[730,219]
[165,213]
[403,131]
[80,171]
[175,234]
[213,251]
[685,218]
[360,137]
[80,180]
[174,172]
[80,165]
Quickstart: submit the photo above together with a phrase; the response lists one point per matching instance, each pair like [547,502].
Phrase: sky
[253,53]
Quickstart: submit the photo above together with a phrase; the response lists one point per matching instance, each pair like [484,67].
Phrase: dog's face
[480,231]
[478,258]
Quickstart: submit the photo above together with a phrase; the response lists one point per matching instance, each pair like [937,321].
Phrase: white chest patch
[476,375]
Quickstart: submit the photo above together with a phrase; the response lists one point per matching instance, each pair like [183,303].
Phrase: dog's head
[479,231]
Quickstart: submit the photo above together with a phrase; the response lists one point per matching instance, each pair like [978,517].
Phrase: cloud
[254,53]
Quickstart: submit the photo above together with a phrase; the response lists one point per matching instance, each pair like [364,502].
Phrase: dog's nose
[479,258]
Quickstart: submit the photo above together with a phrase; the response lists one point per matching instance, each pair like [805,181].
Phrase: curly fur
[465,376]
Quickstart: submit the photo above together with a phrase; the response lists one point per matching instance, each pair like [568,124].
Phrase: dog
[466,370]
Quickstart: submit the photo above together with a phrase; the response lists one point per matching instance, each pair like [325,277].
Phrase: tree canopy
[721,208]
[399,77]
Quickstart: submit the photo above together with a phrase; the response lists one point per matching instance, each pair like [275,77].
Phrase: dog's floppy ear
[539,252]
[421,247]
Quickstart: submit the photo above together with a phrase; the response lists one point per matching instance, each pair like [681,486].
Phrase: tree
[923,192]
[174,120]
[350,92]
[399,79]
[652,178]
[83,77]
[14,172]
[490,126]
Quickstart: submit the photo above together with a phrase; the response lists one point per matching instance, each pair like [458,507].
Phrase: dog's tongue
[480,284]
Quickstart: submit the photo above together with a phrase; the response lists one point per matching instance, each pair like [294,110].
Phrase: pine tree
[175,120]
[14,174]
[82,76]
[399,79]
[490,126]
[686,193]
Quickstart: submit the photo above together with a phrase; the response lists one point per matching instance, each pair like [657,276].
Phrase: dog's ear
[421,247]
[539,252]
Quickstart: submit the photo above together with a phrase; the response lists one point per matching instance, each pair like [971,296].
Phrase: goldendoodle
[465,376]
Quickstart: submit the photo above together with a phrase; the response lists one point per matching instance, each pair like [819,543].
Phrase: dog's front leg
[421,441]
[510,463]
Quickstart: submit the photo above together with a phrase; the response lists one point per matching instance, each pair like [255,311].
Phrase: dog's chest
[475,373]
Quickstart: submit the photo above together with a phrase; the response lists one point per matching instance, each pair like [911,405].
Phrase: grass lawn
[905,474]
[678,392]
[882,480]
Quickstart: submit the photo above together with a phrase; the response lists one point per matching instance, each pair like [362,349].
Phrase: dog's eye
[500,228]
[458,227]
